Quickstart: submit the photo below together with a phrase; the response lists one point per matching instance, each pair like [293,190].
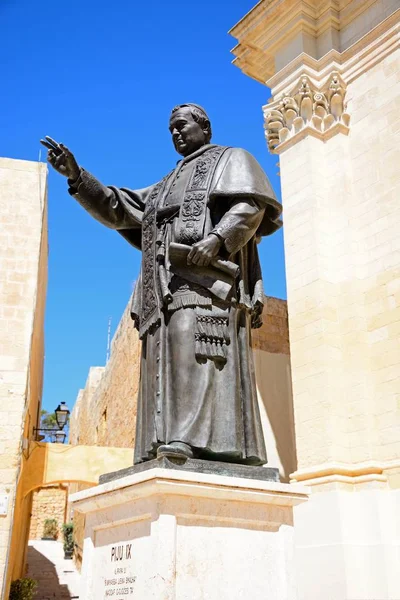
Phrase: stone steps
[57,578]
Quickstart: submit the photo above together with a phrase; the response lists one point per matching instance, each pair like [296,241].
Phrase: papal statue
[199,293]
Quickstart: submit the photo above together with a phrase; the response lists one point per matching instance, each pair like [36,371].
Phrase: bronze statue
[199,293]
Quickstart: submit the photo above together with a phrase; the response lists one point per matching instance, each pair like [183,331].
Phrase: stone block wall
[48,503]
[334,119]
[274,386]
[23,278]
[105,410]
[273,336]
[342,223]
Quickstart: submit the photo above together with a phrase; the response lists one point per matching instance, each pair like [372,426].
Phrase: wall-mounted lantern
[62,414]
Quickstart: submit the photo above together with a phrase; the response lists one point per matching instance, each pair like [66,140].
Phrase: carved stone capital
[307,109]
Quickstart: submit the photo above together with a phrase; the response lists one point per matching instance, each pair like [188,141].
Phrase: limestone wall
[48,503]
[23,277]
[105,410]
[342,221]
[274,385]
[334,74]
[334,120]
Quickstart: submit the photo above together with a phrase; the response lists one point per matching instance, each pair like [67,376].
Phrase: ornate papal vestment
[197,382]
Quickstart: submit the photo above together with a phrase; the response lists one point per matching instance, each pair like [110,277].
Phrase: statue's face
[187,134]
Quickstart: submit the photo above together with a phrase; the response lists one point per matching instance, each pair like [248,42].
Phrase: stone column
[334,120]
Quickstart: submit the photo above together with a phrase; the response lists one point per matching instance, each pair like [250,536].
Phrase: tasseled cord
[211,337]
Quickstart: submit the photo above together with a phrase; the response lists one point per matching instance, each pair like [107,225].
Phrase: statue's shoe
[175,450]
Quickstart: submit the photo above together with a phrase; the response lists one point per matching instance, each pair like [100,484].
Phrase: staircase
[57,578]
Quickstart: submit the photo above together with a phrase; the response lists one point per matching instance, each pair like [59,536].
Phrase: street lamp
[61,413]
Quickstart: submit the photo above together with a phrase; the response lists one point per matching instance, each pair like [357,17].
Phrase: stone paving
[57,578]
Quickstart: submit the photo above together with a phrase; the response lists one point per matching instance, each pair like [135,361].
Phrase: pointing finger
[55,146]
[47,145]
[51,141]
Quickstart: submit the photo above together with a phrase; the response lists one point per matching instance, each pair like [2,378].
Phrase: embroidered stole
[193,210]
[150,316]
[190,229]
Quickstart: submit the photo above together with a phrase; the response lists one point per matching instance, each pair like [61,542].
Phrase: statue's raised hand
[61,159]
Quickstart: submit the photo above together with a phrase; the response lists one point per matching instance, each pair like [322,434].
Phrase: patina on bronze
[199,293]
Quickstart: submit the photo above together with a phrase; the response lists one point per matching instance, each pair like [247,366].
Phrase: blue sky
[102,78]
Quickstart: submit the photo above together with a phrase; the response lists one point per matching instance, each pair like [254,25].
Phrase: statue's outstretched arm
[114,208]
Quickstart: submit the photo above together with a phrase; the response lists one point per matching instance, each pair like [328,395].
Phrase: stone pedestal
[175,534]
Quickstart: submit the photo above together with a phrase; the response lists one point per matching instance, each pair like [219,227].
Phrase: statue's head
[190,128]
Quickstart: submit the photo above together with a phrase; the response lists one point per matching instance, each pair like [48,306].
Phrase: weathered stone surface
[273,336]
[105,411]
[342,223]
[48,502]
[185,534]
[23,279]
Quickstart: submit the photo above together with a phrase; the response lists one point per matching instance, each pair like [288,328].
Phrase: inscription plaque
[118,579]
[122,559]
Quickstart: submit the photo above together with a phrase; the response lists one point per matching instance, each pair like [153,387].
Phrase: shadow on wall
[274,388]
[40,568]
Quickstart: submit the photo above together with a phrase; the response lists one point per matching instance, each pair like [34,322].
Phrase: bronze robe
[197,382]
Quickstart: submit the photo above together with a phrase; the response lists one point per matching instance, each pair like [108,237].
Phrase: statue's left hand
[204,251]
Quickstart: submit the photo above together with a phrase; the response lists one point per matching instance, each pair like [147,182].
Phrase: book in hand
[218,277]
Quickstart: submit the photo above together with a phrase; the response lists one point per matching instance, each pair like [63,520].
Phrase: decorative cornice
[361,56]
[344,473]
[275,32]
[169,482]
[307,110]
[273,23]
[336,69]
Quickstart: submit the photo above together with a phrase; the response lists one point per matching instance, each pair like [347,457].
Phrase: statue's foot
[175,450]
